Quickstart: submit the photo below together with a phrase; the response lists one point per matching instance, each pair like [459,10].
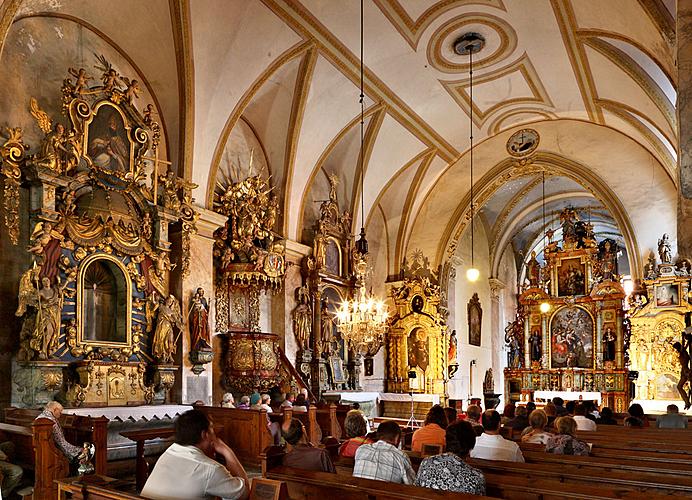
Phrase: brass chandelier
[362,322]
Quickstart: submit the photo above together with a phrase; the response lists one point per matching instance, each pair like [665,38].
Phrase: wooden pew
[245,431]
[309,420]
[329,421]
[93,487]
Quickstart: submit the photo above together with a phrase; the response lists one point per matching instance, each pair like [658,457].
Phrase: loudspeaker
[412,374]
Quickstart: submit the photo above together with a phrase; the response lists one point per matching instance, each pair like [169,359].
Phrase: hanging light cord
[544,226]
[471,138]
[362,134]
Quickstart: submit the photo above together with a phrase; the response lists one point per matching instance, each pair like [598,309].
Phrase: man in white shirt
[186,472]
[583,423]
[383,460]
[491,446]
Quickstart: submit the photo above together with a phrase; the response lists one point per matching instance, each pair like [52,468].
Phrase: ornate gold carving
[12,154]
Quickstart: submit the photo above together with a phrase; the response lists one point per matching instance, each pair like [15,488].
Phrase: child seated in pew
[449,471]
[300,453]
[356,428]
[565,442]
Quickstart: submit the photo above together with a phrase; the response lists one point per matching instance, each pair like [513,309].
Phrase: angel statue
[26,289]
[85,456]
[81,79]
[132,89]
[53,148]
[164,344]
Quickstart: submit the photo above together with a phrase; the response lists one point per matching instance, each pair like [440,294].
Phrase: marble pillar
[197,387]
[684,108]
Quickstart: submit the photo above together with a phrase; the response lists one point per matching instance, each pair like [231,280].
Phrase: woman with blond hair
[565,441]
[536,433]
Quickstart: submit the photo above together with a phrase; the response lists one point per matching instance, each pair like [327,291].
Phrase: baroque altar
[568,333]
[100,325]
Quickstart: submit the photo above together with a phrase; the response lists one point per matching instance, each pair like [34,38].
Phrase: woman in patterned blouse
[448,471]
[565,441]
[536,433]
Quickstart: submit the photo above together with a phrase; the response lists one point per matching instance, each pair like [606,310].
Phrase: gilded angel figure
[53,150]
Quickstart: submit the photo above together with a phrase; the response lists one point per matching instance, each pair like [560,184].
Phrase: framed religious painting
[337,368]
[667,295]
[571,338]
[571,278]
[475,317]
[107,140]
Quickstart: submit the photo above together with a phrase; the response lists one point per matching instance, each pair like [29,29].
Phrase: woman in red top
[356,427]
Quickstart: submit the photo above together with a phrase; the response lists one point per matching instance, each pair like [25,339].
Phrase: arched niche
[104,302]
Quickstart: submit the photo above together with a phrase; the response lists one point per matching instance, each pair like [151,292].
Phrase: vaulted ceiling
[595,79]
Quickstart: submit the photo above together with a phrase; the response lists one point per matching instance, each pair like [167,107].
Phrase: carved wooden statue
[302,318]
[199,321]
[164,343]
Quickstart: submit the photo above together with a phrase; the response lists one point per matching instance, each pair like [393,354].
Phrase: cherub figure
[81,77]
[132,89]
[84,458]
[43,233]
[149,112]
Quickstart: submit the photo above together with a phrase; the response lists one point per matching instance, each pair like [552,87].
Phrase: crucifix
[155,172]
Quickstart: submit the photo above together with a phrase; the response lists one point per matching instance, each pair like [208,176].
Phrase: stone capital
[296,251]
[208,222]
[496,286]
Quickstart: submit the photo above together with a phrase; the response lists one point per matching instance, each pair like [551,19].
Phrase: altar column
[684,107]
[197,387]
[497,336]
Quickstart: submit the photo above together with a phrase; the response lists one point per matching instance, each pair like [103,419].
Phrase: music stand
[412,423]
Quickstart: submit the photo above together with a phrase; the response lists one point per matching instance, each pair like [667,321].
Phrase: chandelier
[362,322]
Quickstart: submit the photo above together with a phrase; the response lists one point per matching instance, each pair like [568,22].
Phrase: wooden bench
[93,487]
[140,437]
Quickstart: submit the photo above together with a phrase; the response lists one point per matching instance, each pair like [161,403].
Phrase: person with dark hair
[530,406]
[550,412]
[449,471]
[356,428]
[473,415]
[301,403]
[591,410]
[300,454]
[569,407]
[633,422]
[508,413]
[672,419]
[583,423]
[560,410]
[635,410]
[451,414]
[564,442]
[186,470]
[491,446]
[536,433]
[383,460]
[521,419]
[606,417]
[433,430]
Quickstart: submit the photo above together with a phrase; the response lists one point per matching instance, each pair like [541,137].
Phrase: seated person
[255,401]
[672,419]
[606,417]
[569,406]
[551,413]
[635,410]
[473,415]
[433,430]
[228,401]
[356,428]
[300,453]
[536,433]
[449,471]
[451,414]
[560,410]
[633,422]
[10,473]
[520,420]
[508,413]
[530,406]
[301,403]
[591,410]
[583,423]
[266,399]
[564,442]
[288,402]
[383,460]
[244,403]
[53,411]
[491,446]
[186,470]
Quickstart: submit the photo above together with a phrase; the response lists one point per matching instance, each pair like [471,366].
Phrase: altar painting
[571,278]
[667,295]
[108,142]
[571,338]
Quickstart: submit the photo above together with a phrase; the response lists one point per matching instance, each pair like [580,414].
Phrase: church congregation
[382,249]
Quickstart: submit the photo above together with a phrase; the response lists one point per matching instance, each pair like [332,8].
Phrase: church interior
[383,205]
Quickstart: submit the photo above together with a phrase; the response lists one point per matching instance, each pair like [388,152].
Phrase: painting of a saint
[332,258]
[109,146]
[571,278]
[667,295]
[571,339]
[418,349]
[475,316]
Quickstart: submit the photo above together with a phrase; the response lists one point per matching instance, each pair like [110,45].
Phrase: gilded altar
[569,332]
[99,322]
[417,342]
[657,319]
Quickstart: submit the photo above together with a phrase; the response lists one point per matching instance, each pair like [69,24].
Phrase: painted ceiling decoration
[279,79]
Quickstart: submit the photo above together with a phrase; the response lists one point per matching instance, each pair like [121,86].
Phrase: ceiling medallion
[523,142]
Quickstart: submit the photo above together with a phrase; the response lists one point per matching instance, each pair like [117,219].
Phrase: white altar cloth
[423,398]
[355,396]
[133,413]
[568,395]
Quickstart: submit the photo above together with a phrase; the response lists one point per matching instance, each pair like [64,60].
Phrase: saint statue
[609,345]
[488,382]
[664,251]
[327,327]
[199,321]
[535,341]
[163,345]
[302,319]
[452,352]
[48,302]
[533,271]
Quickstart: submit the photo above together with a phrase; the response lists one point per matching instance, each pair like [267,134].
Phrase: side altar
[100,324]
[568,333]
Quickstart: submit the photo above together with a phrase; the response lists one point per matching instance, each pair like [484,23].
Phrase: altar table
[568,395]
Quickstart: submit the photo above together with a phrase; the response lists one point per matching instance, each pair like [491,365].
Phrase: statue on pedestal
[536,341]
[199,321]
[609,345]
[664,250]
[533,271]
[302,319]
[164,343]
[685,373]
